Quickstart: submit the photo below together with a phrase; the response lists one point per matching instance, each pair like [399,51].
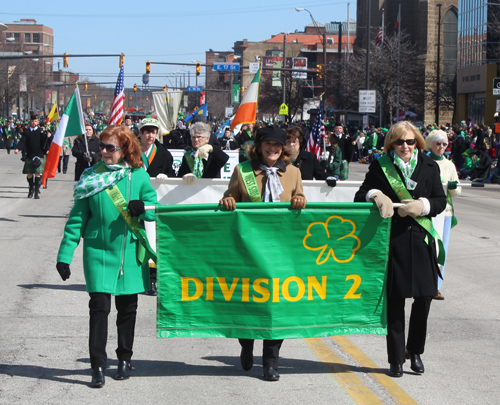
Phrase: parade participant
[32,145]
[203,160]
[307,162]
[115,259]
[277,181]
[64,157]
[332,158]
[130,125]
[436,143]
[407,175]
[79,150]
[228,142]
[157,160]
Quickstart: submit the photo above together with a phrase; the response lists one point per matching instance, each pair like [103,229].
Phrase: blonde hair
[397,131]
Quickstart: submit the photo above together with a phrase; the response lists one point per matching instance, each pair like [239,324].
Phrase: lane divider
[347,379]
[388,383]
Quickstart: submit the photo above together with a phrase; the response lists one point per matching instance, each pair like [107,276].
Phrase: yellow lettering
[245,290]
[228,293]
[210,288]
[185,288]
[286,292]
[355,285]
[312,282]
[259,289]
[276,290]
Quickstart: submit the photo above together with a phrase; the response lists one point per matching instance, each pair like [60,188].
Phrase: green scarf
[435,157]
[91,182]
[407,168]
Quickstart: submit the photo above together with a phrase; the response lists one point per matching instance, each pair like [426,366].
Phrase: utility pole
[368,26]
[438,81]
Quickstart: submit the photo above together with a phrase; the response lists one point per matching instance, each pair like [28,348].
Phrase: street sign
[367,101]
[253,67]
[227,66]
[229,111]
[496,86]
[191,88]
[283,109]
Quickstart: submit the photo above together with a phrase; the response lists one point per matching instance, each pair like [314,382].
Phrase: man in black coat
[32,145]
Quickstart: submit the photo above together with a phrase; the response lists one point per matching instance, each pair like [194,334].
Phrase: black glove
[324,164]
[136,208]
[331,181]
[63,269]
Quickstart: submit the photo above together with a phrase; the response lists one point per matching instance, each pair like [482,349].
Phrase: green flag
[265,271]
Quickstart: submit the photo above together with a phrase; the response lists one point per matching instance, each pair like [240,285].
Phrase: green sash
[250,182]
[189,160]
[397,185]
[144,251]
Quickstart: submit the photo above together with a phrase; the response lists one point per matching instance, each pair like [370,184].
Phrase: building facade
[479,59]
[420,20]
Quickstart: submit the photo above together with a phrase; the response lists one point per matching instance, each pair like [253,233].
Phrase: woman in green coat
[108,197]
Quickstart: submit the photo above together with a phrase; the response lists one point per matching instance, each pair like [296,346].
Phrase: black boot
[152,281]
[37,187]
[32,187]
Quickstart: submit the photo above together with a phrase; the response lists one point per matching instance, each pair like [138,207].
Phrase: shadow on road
[69,287]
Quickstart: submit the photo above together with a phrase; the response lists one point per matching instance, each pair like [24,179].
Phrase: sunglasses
[441,143]
[110,148]
[409,142]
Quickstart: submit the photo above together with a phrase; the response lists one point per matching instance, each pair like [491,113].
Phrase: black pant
[99,308]
[64,160]
[417,331]
[270,352]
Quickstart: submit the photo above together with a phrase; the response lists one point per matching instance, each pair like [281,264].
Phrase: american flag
[116,116]
[380,40]
[317,132]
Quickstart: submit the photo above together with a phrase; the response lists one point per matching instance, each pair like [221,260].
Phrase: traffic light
[122,59]
[147,98]
[198,68]
[242,90]
[164,88]
[65,60]
[135,88]
[86,86]
[130,98]
[320,70]
[148,67]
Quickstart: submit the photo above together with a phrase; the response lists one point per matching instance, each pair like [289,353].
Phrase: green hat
[149,122]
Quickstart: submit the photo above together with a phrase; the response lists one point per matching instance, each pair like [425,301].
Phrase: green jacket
[110,261]
[334,160]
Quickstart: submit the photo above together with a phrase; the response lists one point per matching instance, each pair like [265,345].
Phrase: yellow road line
[393,389]
[348,380]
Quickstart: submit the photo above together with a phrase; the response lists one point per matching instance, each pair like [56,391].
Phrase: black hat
[34,117]
[127,117]
[273,133]
[338,124]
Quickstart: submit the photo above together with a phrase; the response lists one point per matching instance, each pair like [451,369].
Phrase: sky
[163,31]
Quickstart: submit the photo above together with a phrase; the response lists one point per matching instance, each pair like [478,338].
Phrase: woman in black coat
[84,159]
[413,267]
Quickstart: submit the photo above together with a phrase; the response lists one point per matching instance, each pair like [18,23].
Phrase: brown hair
[129,143]
[295,132]
[397,131]
[255,153]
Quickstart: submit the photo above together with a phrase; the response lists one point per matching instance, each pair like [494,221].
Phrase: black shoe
[123,371]
[97,377]
[396,370]
[31,192]
[246,358]
[270,374]
[416,363]
[152,291]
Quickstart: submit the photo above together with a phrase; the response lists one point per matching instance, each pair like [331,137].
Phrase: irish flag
[248,108]
[71,124]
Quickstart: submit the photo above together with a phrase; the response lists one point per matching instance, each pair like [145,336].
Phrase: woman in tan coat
[267,177]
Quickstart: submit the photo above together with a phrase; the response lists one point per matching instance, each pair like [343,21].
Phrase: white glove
[203,151]
[161,178]
[189,178]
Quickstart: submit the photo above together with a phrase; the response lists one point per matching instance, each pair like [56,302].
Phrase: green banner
[236,93]
[265,271]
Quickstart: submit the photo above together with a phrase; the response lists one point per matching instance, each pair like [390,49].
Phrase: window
[36,38]
[17,36]
[27,37]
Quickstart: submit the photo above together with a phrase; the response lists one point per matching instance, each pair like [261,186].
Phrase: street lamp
[438,84]
[299,9]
